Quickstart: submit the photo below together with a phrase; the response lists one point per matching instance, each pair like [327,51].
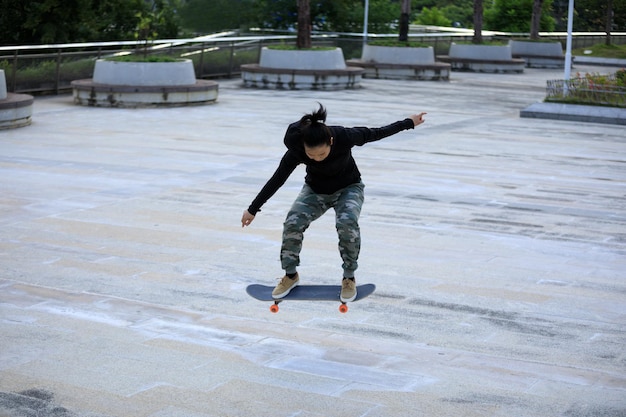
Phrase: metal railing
[50,69]
[594,90]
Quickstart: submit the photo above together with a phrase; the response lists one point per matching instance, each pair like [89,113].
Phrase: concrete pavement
[497,245]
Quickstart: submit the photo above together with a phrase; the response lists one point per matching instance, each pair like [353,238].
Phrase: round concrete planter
[15,109]
[142,74]
[144,84]
[3,85]
[322,69]
[322,59]
[398,55]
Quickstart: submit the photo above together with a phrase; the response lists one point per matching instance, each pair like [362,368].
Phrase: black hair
[313,130]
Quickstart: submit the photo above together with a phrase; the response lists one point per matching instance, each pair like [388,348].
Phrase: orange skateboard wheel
[343,308]
[274,308]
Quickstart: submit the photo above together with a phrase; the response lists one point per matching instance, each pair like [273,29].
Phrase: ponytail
[314,132]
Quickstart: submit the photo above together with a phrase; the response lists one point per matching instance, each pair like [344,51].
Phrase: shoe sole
[347,300]
[283,295]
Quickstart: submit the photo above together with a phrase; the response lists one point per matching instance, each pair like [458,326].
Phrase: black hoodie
[335,172]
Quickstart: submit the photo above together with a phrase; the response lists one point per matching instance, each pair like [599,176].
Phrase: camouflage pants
[310,206]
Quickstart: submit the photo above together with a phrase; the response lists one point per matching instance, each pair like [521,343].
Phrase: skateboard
[308,292]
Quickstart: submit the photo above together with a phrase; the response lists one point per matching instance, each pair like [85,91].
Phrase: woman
[332,180]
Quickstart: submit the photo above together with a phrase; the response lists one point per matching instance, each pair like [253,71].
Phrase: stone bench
[401,63]
[514,65]
[483,58]
[538,54]
[438,71]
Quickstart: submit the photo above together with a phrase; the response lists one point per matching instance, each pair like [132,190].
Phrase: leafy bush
[591,89]
[433,17]
[141,58]
[285,47]
[620,77]
[395,42]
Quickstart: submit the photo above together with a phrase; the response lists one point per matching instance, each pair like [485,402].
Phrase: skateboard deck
[308,292]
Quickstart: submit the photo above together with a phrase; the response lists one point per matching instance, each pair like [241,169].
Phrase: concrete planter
[398,55]
[483,58]
[15,109]
[301,70]
[331,59]
[401,63]
[144,84]
[142,74]
[539,54]
[480,52]
[3,86]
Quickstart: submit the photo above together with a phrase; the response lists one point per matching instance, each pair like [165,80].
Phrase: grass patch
[285,47]
[540,40]
[602,50]
[141,58]
[397,43]
[484,43]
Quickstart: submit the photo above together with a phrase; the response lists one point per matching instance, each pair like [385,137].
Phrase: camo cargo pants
[310,206]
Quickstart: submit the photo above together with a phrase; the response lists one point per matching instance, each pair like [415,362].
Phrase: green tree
[405,17]
[516,16]
[591,15]
[208,16]
[433,17]
[13,13]
[166,18]
[478,22]
[460,15]
[47,21]
[113,20]
[304,24]
[327,15]
[459,12]
[382,14]
[535,21]
[61,21]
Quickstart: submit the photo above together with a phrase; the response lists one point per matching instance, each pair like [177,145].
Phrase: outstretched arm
[361,135]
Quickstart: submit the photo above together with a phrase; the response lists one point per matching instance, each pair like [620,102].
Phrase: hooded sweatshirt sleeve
[287,165]
[361,135]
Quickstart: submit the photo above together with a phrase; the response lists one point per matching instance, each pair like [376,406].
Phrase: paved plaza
[497,245]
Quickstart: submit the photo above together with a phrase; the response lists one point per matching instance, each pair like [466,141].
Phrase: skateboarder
[332,180]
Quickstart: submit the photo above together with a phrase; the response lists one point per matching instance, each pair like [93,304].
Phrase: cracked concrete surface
[496,243]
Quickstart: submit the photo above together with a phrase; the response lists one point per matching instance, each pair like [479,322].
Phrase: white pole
[365,18]
[568,48]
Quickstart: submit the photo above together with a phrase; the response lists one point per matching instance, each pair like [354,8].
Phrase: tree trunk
[303,40]
[608,25]
[404,21]
[535,21]
[478,21]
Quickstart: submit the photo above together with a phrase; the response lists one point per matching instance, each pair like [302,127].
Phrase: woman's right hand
[247,218]
[418,118]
